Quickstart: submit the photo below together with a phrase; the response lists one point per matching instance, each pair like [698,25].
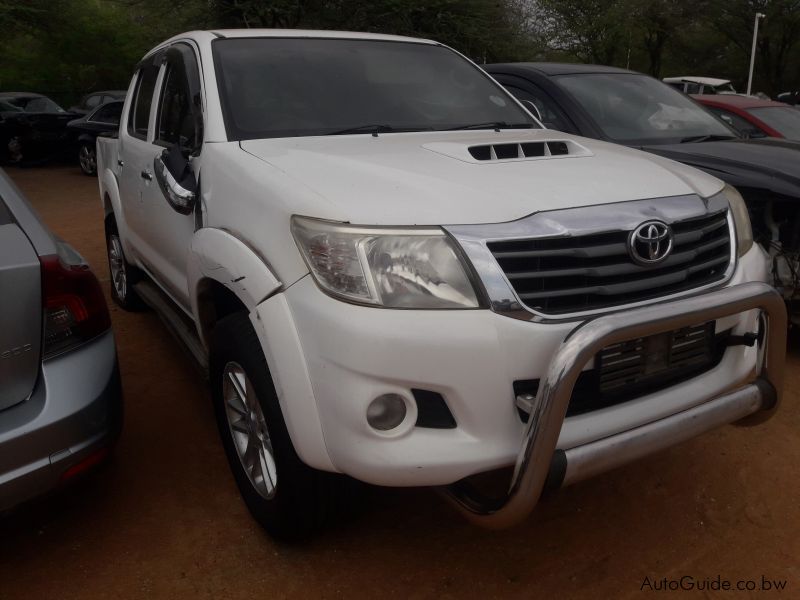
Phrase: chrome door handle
[120,162]
[146,176]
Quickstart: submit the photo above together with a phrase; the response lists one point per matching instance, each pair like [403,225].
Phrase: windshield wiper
[693,139]
[375,129]
[492,125]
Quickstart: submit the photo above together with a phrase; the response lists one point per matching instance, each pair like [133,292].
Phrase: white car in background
[700,85]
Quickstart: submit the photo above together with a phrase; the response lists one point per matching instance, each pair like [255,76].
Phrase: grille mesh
[642,366]
[583,273]
[643,359]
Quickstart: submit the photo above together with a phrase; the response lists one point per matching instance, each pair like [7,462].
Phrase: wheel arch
[112,208]
[109,194]
[225,275]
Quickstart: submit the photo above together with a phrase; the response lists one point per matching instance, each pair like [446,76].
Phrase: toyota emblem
[650,243]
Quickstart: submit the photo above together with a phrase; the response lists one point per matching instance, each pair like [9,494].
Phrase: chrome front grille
[580,273]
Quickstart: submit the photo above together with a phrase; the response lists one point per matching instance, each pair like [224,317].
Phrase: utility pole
[759,16]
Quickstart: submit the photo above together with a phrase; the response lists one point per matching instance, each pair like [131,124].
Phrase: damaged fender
[219,255]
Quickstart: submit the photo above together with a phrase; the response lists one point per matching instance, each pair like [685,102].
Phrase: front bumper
[757,400]
[329,359]
[75,410]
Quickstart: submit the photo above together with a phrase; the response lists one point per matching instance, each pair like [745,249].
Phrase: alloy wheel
[87,158]
[116,262]
[248,430]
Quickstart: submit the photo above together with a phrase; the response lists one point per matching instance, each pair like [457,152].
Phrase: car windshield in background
[784,119]
[635,109]
[8,107]
[725,88]
[35,104]
[286,87]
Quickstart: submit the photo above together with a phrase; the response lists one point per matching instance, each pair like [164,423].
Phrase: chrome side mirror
[179,191]
[533,109]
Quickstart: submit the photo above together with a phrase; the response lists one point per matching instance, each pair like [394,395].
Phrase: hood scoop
[510,151]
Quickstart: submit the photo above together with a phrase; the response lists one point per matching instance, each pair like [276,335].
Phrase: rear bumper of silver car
[539,464]
[74,412]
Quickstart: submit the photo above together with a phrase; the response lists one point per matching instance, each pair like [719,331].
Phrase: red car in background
[754,117]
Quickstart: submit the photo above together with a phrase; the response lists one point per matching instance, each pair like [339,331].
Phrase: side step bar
[178,324]
[754,402]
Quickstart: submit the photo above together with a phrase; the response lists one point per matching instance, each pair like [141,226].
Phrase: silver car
[60,394]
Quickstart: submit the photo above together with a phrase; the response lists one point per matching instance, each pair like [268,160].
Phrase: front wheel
[87,158]
[287,497]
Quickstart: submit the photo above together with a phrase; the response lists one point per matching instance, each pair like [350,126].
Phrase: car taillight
[75,310]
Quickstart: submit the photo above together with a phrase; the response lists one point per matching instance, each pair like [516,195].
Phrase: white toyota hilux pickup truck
[392,271]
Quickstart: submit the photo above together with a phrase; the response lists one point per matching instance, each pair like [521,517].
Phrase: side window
[110,113]
[139,113]
[692,88]
[740,124]
[93,101]
[175,117]
[551,114]
[175,124]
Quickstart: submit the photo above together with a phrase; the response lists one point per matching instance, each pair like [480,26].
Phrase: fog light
[386,412]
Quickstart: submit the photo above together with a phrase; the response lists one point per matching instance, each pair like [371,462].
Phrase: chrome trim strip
[549,409]
[574,222]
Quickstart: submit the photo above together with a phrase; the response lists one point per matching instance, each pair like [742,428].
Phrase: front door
[169,236]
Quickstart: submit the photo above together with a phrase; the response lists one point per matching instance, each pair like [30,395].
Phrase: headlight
[741,219]
[391,267]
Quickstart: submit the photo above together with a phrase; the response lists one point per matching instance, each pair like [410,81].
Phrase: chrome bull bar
[756,401]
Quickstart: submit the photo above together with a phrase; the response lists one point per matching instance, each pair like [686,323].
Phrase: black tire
[124,295]
[87,159]
[302,497]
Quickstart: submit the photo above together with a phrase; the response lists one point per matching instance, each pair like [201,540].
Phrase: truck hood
[767,164]
[431,178]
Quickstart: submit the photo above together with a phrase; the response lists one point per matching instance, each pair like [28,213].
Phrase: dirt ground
[164,520]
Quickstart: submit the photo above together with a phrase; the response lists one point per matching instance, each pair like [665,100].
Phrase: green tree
[593,31]
[779,37]
[661,24]
[492,30]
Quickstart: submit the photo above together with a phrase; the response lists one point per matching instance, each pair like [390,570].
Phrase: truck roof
[207,35]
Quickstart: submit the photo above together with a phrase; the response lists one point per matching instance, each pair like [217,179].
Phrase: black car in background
[92,101]
[104,119]
[33,128]
[792,98]
[639,111]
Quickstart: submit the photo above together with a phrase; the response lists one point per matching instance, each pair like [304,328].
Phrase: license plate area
[650,360]
[641,366]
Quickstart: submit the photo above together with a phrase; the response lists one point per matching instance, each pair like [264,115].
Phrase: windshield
[35,104]
[784,119]
[8,107]
[285,87]
[725,88]
[637,109]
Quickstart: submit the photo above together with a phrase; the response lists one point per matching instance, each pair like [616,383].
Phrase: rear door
[20,313]
[135,152]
